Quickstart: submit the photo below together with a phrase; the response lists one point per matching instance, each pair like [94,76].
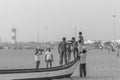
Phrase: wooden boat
[38,74]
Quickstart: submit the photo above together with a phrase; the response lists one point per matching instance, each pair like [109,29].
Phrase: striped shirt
[82,58]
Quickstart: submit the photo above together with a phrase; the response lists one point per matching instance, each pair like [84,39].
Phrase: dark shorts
[49,60]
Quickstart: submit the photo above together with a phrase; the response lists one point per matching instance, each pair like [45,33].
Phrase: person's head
[84,51]
[49,49]
[64,39]
[38,47]
[80,33]
[68,44]
[73,38]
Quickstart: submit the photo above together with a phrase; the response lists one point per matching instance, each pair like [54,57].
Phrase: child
[48,57]
[68,47]
[83,63]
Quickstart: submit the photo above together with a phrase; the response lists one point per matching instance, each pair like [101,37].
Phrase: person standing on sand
[37,56]
[48,57]
[75,48]
[82,66]
[62,51]
[80,42]
[80,47]
[68,51]
[81,39]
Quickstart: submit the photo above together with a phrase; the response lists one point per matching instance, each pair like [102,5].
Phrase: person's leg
[47,63]
[74,53]
[77,54]
[65,57]
[37,64]
[84,69]
[61,58]
[50,63]
[68,56]
[80,68]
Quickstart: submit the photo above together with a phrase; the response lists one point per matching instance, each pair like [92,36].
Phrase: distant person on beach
[80,47]
[68,51]
[118,50]
[80,42]
[48,58]
[62,51]
[37,54]
[75,47]
[118,53]
[81,39]
[82,66]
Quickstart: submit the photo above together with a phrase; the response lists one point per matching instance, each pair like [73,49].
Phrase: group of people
[65,49]
[48,57]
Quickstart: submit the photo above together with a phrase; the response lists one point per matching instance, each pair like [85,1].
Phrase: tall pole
[14,41]
[114,27]
[46,36]
[14,35]
[75,32]
[46,33]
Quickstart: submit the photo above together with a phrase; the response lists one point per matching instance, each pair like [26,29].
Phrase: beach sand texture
[101,65]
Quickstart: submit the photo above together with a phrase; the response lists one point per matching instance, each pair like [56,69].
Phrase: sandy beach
[101,65]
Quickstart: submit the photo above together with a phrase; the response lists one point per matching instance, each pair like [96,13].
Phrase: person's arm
[45,58]
[40,52]
[36,52]
[52,57]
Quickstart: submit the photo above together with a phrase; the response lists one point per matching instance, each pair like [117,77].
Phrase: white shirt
[80,48]
[82,58]
[37,57]
[48,55]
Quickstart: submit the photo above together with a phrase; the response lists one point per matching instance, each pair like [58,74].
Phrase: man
[81,39]
[82,66]
[62,51]
[75,47]
[37,54]
[80,43]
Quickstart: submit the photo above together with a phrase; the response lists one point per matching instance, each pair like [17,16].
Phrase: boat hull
[45,73]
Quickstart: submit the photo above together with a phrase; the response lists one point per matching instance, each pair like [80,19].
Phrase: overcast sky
[30,17]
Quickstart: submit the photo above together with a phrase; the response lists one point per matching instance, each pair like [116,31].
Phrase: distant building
[13,41]
[89,42]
